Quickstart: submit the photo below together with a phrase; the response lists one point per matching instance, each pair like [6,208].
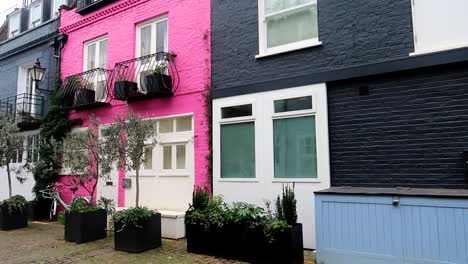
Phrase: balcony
[25,109]
[84,7]
[151,76]
[85,90]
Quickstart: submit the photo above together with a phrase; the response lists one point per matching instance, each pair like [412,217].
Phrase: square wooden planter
[85,227]
[135,239]
[12,220]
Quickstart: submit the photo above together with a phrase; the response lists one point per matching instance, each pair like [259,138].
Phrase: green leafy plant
[14,204]
[61,217]
[286,205]
[11,145]
[201,198]
[133,216]
[160,69]
[212,217]
[80,205]
[245,214]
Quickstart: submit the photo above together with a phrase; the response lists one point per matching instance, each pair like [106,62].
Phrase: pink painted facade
[188,38]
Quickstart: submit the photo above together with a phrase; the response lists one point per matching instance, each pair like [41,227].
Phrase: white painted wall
[265,186]
[439,25]
[25,188]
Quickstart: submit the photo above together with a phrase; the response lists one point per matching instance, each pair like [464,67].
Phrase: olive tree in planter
[136,229]
[84,154]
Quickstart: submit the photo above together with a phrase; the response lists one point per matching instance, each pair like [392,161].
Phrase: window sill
[144,175]
[289,48]
[237,180]
[295,180]
[174,176]
[429,51]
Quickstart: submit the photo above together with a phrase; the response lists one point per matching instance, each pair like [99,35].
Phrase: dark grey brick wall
[352,32]
[411,130]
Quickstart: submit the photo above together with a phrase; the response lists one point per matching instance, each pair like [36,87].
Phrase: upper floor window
[35,14]
[95,54]
[286,25]
[439,25]
[56,6]
[15,24]
[152,37]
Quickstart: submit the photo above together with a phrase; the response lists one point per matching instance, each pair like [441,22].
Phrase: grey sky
[6,6]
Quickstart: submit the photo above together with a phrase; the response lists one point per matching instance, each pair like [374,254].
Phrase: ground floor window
[238,150]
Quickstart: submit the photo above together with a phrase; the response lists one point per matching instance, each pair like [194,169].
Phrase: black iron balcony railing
[85,90]
[150,76]
[25,109]
[86,6]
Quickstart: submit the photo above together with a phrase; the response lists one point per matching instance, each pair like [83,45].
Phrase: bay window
[287,25]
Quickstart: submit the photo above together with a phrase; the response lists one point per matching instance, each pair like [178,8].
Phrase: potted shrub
[158,82]
[88,162]
[85,94]
[124,88]
[13,213]
[136,229]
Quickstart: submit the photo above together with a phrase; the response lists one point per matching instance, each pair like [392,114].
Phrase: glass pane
[292,27]
[15,23]
[180,157]
[167,157]
[161,36]
[166,125]
[294,147]
[236,111]
[146,40]
[293,104]
[148,165]
[103,54]
[272,6]
[91,59]
[238,150]
[184,124]
[36,13]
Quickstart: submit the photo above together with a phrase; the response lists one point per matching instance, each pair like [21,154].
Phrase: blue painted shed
[391,225]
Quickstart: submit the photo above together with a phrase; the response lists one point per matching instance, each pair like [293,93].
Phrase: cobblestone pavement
[43,243]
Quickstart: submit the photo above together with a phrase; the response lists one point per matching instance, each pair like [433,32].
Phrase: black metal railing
[153,75]
[25,109]
[85,89]
[87,6]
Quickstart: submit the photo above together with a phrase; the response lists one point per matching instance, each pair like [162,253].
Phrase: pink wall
[188,37]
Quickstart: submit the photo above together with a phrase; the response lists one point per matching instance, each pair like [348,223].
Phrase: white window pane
[180,157]
[145,40]
[14,25]
[292,27]
[167,157]
[91,58]
[184,124]
[148,165]
[272,6]
[166,125]
[161,36]
[36,14]
[295,147]
[103,54]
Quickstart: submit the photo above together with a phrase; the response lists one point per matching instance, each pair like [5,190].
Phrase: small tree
[127,138]
[85,155]
[11,146]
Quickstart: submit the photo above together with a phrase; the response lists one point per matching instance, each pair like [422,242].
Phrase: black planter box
[247,244]
[84,97]
[12,220]
[39,210]
[85,227]
[124,89]
[158,84]
[134,239]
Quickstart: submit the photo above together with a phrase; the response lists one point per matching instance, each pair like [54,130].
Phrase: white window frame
[56,12]
[235,120]
[13,33]
[32,23]
[264,51]
[263,115]
[153,23]
[96,41]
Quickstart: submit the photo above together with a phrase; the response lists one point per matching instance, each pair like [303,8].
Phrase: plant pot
[288,247]
[13,220]
[201,241]
[86,226]
[39,209]
[124,89]
[85,97]
[158,84]
[136,239]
